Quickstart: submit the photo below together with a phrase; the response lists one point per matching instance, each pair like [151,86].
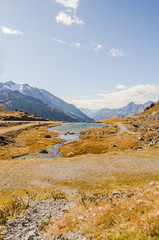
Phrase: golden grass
[12,209]
[96,215]
[17,114]
[106,139]
[134,217]
[27,141]
[102,140]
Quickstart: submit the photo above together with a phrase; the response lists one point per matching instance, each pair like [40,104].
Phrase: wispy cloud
[6,30]
[68,18]
[69,3]
[116,52]
[74,44]
[121,86]
[138,94]
[94,46]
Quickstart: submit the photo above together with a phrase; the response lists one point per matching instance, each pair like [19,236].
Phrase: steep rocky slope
[47,98]
[12,100]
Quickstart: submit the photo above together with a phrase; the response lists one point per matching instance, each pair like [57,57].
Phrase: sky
[92,53]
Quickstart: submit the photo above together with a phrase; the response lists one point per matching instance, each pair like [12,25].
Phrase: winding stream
[69,132]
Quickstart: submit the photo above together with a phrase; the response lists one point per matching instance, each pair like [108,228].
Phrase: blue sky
[92,53]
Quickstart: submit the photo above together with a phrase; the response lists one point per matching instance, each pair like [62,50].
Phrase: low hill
[17,115]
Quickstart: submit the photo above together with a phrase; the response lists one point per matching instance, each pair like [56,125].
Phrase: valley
[104,186]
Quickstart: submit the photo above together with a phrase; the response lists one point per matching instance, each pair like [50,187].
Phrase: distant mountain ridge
[128,110]
[47,98]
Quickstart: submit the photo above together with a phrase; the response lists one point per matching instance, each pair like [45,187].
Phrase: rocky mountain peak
[47,98]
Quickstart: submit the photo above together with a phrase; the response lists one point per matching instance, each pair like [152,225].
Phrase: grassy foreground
[115,195]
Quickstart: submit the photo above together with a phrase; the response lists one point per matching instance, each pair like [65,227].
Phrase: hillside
[12,100]
[150,113]
[17,115]
[47,98]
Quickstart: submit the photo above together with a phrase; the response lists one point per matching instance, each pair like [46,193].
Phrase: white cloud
[121,86]
[77,44]
[74,44]
[69,3]
[97,46]
[68,15]
[116,52]
[138,94]
[10,31]
[59,41]
[68,19]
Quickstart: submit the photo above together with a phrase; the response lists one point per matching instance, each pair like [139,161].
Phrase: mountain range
[128,110]
[38,101]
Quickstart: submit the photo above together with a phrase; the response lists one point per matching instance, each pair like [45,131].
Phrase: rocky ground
[33,224]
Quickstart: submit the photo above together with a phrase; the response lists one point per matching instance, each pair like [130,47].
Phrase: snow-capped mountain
[47,98]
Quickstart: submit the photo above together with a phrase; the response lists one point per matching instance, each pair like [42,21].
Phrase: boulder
[44,151]
[47,136]
[117,194]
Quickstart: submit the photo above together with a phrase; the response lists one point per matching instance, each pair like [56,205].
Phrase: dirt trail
[15,128]
[23,126]
[123,128]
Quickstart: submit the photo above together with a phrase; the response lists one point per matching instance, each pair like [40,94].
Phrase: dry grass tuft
[135,217]
[12,209]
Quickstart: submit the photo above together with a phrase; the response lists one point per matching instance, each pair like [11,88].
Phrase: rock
[43,151]
[151,184]
[141,138]
[151,144]
[136,125]
[139,148]
[111,132]
[114,145]
[2,138]
[70,154]
[47,136]
[130,195]
[70,132]
[28,225]
[117,194]
[30,235]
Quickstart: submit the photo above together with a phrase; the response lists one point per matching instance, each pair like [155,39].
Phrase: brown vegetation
[116,193]
[17,115]
[28,140]
[109,139]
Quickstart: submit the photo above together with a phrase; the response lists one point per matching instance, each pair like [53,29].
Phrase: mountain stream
[69,132]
